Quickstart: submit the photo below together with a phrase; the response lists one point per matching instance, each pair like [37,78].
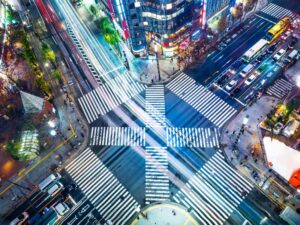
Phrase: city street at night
[149,112]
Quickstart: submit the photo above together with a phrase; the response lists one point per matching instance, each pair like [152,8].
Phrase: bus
[47,181]
[254,50]
[278,29]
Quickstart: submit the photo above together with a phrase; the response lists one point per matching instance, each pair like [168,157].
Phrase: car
[250,79]
[231,85]
[286,34]
[247,70]
[261,68]
[259,58]
[20,219]
[223,79]
[236,91]
[272,48]
[61,208]
[279,54]
[235,66]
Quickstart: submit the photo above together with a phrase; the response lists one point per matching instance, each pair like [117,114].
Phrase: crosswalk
[280,88]
[278,12]
[108,96]
[200,98]
[193,137]
[214,192]
[156,179]
[97,183]
[83,54]
[155,106]
[118,136]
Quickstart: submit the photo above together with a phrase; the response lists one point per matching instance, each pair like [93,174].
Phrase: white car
[250,79]
[231,85]
[20,219]
[279,54]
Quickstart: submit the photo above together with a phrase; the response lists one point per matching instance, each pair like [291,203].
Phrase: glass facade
[166,22]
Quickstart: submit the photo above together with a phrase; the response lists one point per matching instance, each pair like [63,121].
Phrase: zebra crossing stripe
[156,180]
[192,137]
[95,180]
[155,106]
[204,101]
[214,192]
[105,98]
[117,136]
[280,88]
[278,12]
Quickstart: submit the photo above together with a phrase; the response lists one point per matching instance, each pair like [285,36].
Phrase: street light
[156,53]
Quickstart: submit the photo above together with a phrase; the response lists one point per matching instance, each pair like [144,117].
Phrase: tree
[237,11]
[222,24]
[47,53]
[93,10]
[110,34]
[56,74]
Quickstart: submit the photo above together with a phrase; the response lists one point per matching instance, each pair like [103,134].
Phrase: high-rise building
[214,6]
[166,23]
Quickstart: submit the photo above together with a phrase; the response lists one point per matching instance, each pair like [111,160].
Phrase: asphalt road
[128,164]
[218,61]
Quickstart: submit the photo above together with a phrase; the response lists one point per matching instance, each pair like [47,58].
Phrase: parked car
[231,85]
[250,79]
[20,219]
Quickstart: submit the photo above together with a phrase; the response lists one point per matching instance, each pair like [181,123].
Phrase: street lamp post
[157,62]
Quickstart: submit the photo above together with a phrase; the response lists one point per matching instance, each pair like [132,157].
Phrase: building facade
[165,23]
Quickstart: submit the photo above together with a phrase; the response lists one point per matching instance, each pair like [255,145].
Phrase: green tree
[12,147]
[56,74]
[110,34]
[93,10]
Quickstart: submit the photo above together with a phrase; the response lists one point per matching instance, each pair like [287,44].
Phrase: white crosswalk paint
[117,136]
[203,100]
[108,96]
[193,137]
[155,106]
[280,88]
[96,182]
[83,54]
[156,179]
[279,12]
[214,192]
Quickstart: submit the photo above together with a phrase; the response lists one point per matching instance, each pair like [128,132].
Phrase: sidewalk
[250,155]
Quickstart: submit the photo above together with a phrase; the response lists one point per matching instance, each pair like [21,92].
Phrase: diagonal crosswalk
[118,136]
[156,179]
[193,137]
[214,192]
[108,96]
[200,98]
[155,106]
[278,12]
[97,183]
[280,88]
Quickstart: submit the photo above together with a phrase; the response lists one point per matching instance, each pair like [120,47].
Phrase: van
[61,208]
[55,188]
[292,55]
[246,70]
[47,181]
